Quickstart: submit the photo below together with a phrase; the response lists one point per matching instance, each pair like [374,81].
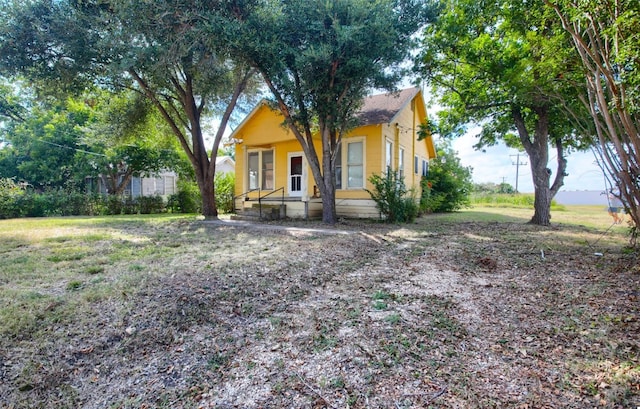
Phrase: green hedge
[18,201]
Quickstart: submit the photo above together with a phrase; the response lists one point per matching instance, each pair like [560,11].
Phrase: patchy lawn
[472,310]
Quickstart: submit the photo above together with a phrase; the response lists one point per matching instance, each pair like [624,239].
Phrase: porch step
[245,217]
[269,212]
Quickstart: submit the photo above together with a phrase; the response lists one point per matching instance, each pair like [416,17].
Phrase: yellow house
[271,167]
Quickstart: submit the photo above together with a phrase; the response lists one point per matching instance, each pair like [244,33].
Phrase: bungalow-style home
[271,167]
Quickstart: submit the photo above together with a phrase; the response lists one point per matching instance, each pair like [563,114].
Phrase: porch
[278,206]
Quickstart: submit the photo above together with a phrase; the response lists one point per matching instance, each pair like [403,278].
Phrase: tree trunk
[207,191]
[119,187]
[203,165]
[329,213]
[542,196]
[538,151]
[324,175]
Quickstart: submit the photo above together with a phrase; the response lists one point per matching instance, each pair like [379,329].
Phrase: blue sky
[496,163]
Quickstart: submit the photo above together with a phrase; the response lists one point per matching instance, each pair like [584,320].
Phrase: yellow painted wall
[264,126]
[263,130]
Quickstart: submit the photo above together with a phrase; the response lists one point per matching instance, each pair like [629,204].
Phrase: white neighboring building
[161,184]
[225,164]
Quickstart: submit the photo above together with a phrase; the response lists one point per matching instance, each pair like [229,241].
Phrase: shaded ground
[438,314]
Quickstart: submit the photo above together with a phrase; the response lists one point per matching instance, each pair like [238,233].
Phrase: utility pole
[517,163]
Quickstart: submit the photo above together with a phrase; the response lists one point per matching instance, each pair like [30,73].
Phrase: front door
[297,182]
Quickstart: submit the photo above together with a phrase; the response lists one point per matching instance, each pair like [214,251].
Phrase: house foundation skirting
[347,208]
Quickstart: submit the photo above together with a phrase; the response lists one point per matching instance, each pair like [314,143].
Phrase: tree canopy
[60,143]
[605,35]
[154,48]
[320,58]
[504,65]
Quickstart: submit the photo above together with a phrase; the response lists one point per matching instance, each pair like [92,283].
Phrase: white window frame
[388,155]
[425,167]
[260,168]
[344,151]
[416,164]
[401,164]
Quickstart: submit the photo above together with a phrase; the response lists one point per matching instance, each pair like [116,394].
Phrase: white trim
[345,162]
[387,162]
[401,158]
[303,177]
[260,166]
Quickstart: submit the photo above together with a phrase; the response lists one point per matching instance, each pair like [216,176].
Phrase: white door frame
[303,178]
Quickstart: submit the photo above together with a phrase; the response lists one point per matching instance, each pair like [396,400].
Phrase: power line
[71,148]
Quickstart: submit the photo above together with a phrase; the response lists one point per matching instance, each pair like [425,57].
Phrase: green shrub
[34,205]
[114,204]
[151,204]
[10,192]
[392,198]
[186,200]
[225,185]
[16,201]
[448,183]
[130,205]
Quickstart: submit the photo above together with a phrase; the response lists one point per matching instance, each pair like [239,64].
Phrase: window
[389,155]
[425,167]
[267,170]
[351,174]
[416,165]
[169,185]
[355,164]
[159,183]
[253,161]
[401,162]
[260,169]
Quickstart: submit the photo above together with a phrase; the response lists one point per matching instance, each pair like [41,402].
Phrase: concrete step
[269,212]
[245,217]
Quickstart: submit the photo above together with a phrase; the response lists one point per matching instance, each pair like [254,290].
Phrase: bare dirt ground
[435,314]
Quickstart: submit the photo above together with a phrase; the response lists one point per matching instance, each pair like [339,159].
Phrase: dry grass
[470,310]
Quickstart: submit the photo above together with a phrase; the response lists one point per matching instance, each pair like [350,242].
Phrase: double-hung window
[401,162]
[350,164]
[425,167]
[355,164]
[260,169]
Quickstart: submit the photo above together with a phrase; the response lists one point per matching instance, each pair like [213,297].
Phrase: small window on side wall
[425,167]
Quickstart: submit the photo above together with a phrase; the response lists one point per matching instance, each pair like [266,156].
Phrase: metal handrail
[260,197]
[269,194]
[243,194]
